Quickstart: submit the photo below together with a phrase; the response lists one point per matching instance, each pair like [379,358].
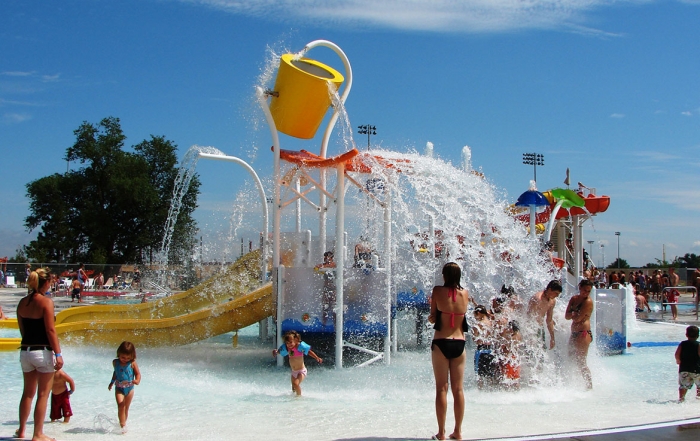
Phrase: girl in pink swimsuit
[296,349]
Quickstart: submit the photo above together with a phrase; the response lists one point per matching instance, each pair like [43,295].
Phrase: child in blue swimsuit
[126,375]
[296,349]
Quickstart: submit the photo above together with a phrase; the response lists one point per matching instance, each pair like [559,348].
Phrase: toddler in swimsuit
[296,349]
[60,396]
[126,375]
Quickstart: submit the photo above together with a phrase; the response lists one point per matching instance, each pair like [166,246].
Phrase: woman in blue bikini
[448,306]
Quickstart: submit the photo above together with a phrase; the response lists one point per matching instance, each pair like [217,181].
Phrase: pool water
[209,389]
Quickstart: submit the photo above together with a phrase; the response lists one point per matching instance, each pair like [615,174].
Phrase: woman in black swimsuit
[35,317]
[448,306]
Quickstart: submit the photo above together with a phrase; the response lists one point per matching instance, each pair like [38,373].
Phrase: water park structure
[391,220]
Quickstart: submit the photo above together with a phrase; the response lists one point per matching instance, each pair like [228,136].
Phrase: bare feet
[438,436]
[455,435]
[43,437]
[18,435]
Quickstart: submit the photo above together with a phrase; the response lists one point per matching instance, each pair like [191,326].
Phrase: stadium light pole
[367,130]
[617,233]
[533,159]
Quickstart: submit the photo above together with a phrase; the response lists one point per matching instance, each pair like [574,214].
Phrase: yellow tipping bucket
[303,99]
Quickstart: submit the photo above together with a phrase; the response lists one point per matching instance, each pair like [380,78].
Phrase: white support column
[387,266]
[298,204]
[578,247]
[323,215]
[340,264]
[431,232]
[262,100]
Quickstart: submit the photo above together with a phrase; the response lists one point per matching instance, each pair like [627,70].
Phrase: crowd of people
[507,334]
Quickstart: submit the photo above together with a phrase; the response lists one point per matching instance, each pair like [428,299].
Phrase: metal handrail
[679,288]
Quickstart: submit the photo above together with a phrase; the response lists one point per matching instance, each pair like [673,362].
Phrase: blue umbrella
[532,199]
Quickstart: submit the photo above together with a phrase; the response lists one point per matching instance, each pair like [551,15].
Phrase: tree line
[113,208]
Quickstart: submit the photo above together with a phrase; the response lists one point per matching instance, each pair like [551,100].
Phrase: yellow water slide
[237,280]
[172,331]
[229,301]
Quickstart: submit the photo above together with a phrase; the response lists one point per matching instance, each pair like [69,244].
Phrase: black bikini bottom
[449,347]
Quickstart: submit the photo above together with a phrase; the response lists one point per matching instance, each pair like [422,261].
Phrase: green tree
[623,264]
[113,208]
[689,260]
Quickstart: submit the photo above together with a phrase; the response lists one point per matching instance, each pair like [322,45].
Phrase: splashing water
[180,188]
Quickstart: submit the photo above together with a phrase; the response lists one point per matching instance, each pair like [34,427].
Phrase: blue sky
[609,89]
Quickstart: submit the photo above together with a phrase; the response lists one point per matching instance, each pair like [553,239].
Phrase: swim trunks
[483,352]
[542,336]
[486,365]
[450,347]
[295,374]
[687,379]
[576,334]
[60,405]
[511,371]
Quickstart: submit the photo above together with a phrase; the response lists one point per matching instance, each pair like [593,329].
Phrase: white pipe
[280,290]
[346,90]
[262,100]
[533,221]
[263,199]
[431,232]
[387,266]
[340,265]
[297,185]
[578,248]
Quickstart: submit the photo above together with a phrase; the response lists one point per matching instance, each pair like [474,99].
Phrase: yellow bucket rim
[335,76]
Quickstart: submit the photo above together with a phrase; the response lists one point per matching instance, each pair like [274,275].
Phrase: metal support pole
[340,264]
[387,267]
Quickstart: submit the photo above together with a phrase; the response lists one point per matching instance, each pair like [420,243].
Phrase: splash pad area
[417,213]
[209,390]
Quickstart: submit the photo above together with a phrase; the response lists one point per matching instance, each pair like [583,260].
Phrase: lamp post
[590,247]
[533,159]
[617,233]
[367,130]
[602,250]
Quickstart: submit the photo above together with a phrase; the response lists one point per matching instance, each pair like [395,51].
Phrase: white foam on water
[209,390]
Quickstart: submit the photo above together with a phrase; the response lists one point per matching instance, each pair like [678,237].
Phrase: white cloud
[656,156]
[50,78]
[687,113]
[17,73]
[617,115]
[15,118]
[474,16]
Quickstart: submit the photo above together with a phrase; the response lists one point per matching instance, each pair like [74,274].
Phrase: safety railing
[686,289]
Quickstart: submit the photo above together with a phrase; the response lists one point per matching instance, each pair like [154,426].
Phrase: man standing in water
[541,305]
[579,312]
